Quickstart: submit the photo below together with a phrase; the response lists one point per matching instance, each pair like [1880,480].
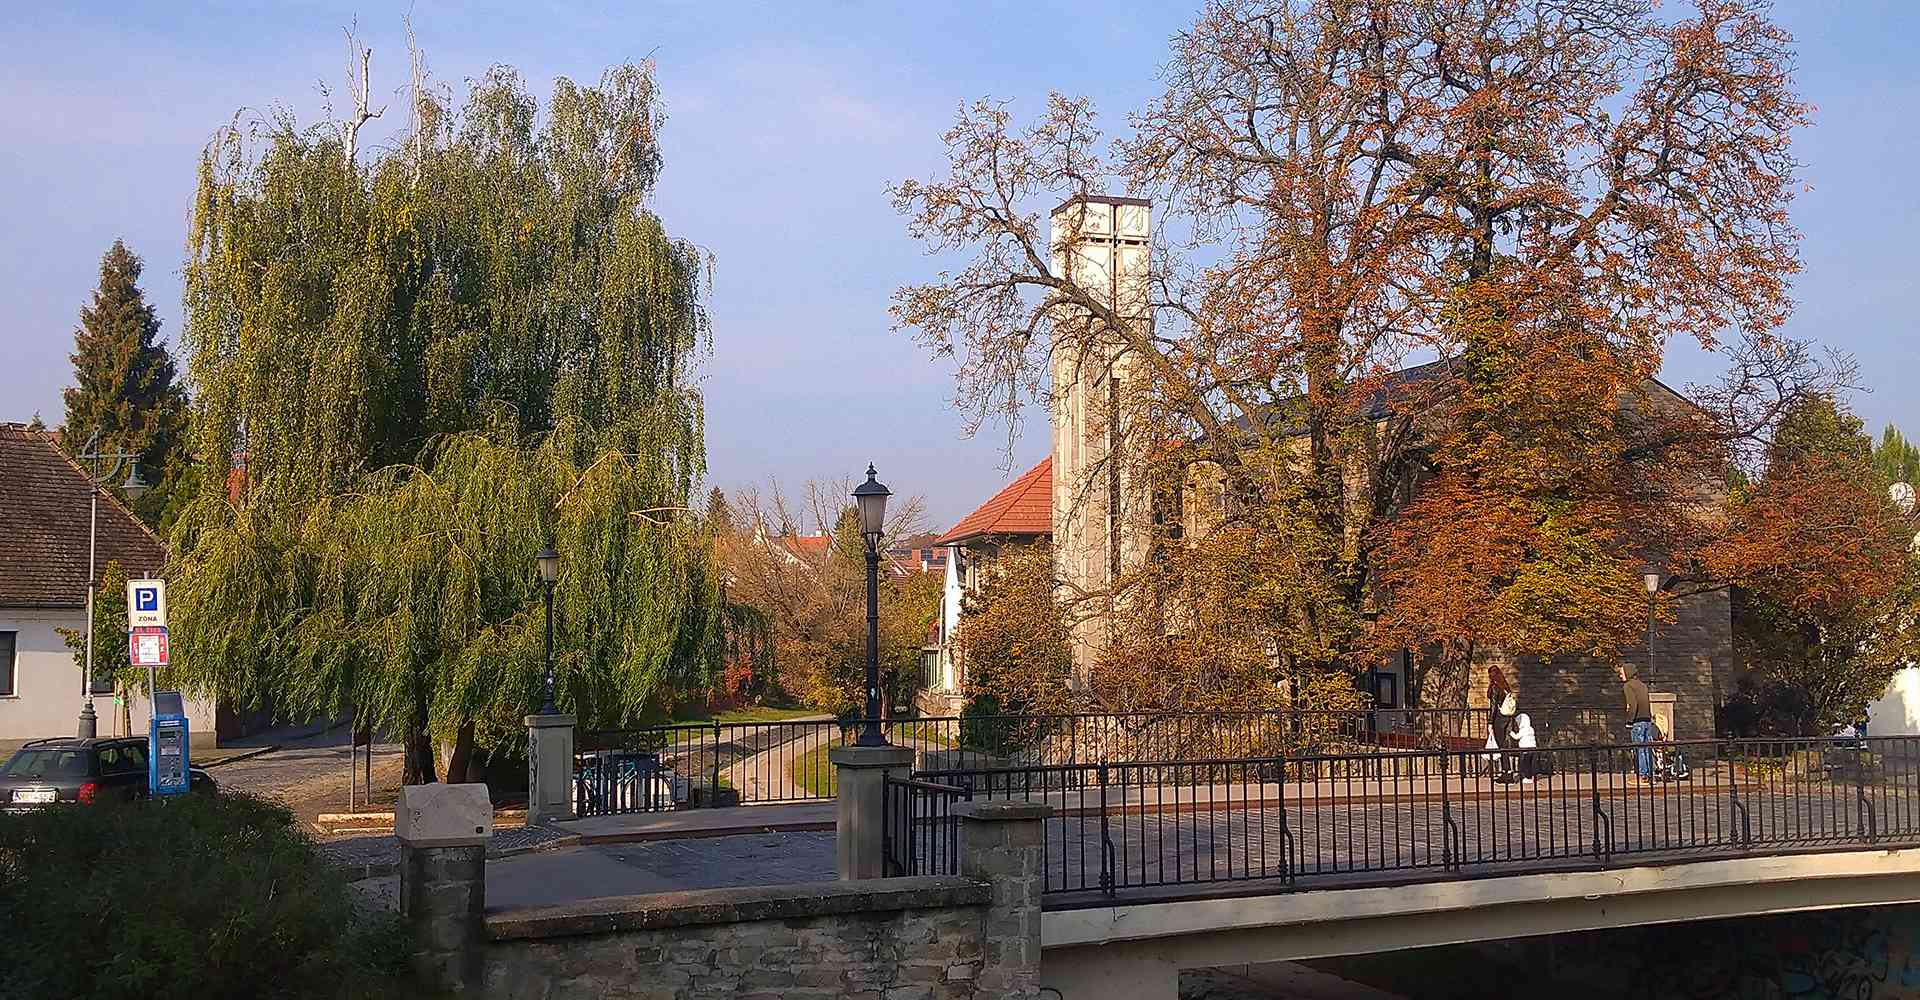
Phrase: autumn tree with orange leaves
[1829,580]
[1542,194]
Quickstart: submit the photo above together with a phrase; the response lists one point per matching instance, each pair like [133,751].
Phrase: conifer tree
[125,396]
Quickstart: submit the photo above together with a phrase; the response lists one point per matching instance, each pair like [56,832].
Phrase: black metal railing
[920,835]
[743,763]
[1348,817]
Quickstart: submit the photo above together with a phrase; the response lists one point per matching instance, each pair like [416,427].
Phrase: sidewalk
[686,823]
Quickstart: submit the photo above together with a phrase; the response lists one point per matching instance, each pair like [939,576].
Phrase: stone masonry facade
[881,939]
[974,935]
[1580,698]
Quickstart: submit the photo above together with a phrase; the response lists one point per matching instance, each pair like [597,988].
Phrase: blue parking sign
[146,604]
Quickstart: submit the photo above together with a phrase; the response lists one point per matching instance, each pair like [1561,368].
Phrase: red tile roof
[1025,507]
[807,546]
[43,526]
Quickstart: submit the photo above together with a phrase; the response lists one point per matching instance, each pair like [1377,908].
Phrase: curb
[360,871]
[249,755]
[639,836]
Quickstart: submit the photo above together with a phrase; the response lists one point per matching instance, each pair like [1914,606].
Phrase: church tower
[1100,508]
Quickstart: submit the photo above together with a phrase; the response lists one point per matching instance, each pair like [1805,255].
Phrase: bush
[204,896]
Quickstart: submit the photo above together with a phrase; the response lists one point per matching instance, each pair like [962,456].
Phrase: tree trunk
[460,758]
[419,767]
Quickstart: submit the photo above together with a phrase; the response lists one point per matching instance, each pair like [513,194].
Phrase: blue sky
[787,122]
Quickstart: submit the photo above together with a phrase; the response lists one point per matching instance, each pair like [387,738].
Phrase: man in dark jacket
[1639,720]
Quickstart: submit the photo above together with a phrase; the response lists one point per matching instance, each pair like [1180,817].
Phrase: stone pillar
[860,785]
[443,832]
[1663,704]
[1001,844]
[549,768]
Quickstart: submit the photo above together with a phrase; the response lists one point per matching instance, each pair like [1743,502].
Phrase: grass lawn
[936,734]
[815,773]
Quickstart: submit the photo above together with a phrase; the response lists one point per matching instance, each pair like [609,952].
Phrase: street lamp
[99,466]
[549,562]
[871,498]
[1652,579]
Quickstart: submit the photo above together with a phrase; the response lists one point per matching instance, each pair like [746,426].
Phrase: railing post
[1001,843]
[443,832]
[550,792]
[860,790]
[1447,860]
[713,790]
[1599,816]
[1863,809]
[1106,839]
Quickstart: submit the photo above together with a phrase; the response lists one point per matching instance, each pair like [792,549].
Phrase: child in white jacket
[1525,740]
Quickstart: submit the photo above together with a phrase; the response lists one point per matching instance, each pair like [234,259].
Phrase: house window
[9,645]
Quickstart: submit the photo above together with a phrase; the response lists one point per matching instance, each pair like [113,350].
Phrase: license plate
[35,795]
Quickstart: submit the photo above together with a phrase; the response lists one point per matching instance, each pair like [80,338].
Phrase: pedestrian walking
[1639,721]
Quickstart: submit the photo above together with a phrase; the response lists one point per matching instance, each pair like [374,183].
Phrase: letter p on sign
[146,603]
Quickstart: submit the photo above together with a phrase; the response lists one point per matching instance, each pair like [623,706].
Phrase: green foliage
[209,897]
[126,398]
[1897,458]
[1014,641]
[112,660]
[417,603]
[1824,636]
[432,361]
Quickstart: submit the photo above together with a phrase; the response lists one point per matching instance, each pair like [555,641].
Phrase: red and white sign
[147,645]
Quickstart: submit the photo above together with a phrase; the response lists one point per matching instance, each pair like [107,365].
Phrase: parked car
[67,769]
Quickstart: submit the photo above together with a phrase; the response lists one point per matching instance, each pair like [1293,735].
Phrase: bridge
[1116,864]
[1119,951]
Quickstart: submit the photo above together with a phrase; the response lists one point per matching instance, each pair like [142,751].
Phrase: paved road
[309,770]
[659,866]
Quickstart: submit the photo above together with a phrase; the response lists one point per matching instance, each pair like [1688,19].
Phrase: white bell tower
[1100,513]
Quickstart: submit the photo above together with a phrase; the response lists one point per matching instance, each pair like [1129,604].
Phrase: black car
[66,769]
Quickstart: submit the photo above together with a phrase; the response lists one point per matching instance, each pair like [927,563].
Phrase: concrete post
[860,785]
[1001,844]
[549,768]
[443,832]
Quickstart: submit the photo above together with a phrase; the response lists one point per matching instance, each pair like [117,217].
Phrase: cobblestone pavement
[309,772]
[659,866]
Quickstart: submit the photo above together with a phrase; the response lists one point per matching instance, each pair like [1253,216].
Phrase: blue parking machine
[167,763]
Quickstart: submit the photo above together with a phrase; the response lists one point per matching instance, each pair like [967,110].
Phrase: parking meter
[167,763]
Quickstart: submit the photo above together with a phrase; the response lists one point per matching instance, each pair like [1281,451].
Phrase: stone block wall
[1580,697]
[879,939]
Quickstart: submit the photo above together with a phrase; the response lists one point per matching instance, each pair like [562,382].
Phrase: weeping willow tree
[416,367]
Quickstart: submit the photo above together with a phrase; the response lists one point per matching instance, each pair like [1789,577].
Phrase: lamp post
[549,562]
[1652,579]
[99,466]
[871,498]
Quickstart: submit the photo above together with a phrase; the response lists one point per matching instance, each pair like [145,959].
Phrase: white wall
[950,596]
[1897,713]
[46,699]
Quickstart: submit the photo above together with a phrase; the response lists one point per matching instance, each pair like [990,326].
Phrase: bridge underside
[1123,951]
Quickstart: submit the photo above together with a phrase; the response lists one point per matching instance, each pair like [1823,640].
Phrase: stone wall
[885,939]
[1580,697]
[975,934]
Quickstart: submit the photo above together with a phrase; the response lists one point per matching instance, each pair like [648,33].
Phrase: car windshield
[46,763]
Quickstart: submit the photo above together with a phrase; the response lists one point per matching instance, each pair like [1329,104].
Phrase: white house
[43,588]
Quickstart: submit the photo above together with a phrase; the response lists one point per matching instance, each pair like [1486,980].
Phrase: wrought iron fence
[660,768]
[1346,817]
[920,835]
[743,763]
